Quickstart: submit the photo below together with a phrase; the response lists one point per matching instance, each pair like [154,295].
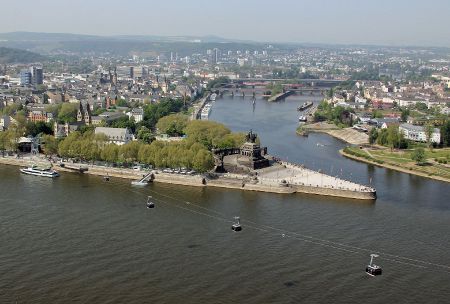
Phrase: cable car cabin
[150,204]
[237,225]
[373,270]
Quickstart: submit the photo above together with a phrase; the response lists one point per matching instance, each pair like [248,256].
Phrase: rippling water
[79,239]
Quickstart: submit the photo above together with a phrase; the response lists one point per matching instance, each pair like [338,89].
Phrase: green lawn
[403,159]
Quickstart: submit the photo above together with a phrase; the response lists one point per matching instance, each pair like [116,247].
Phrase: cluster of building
[32,76]
[121,86]
[391,98]
[101,97]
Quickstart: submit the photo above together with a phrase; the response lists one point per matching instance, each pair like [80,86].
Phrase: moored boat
[304,106]
[302,118]
[44,172]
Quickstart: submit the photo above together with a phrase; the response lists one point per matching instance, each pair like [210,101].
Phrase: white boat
[302,118]
[213,97]
[206,111]
[34,170]
[139,183]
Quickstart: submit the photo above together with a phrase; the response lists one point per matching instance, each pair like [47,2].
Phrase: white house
[341,104]
[417,133]
[5,121]
[118,136]
[359,99]
[137,114]
[407,102]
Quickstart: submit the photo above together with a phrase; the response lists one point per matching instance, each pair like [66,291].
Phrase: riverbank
[130,174]
[348,135]
[408,167]
[280,178]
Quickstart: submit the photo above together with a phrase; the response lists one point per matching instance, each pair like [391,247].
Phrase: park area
[435,163]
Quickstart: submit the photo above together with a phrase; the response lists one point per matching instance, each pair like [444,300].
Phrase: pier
[280,96]
[74,168]
[197,109]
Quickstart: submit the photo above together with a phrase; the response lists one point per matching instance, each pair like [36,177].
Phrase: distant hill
[9,55]
[59,37]
[32,36]
[62,43]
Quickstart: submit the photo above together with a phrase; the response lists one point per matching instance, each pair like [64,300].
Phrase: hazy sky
[388,22]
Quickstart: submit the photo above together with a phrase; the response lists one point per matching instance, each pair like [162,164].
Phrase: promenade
[283,178]
[296,175]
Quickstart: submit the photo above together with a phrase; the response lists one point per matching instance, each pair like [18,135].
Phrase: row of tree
[392,137]
[389,137]
[192,152]
[91,147]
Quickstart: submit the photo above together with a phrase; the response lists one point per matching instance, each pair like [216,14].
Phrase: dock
[197,109]
[74,168]
[280,96]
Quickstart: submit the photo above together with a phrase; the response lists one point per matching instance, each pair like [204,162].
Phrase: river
[80,239]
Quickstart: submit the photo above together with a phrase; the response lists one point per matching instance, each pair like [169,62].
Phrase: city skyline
[403,23]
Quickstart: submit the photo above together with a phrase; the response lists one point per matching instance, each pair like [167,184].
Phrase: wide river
[82,240]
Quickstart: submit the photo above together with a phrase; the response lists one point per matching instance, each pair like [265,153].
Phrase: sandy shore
[348,135]
[392,167]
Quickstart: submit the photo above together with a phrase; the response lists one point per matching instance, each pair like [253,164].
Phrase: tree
[11,109]
[49,144]
[373,135]
[232,140]
[207,133]
[53,108]
[421,106]
[203,161]
[3,142]
[382,138]
[124,122]
[445,134]
[40,127]
[377,114]
[429,129]
[393,136]
[145,135]
[70,146]
[110,153]
[217,82]
[418,155]
[404,114]
[68,112]
[13,135]
[153,112]
[122,103]
[129,152]
[172,125]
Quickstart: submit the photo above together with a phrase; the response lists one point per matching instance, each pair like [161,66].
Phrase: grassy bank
[434,166]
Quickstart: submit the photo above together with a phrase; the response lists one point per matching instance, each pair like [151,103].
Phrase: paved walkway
[298,175]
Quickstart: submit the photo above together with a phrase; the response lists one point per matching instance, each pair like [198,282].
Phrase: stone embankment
[283,178]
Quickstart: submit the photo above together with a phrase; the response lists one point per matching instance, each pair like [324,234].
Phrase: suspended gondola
[150,204]
[372,269]
[237,224]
